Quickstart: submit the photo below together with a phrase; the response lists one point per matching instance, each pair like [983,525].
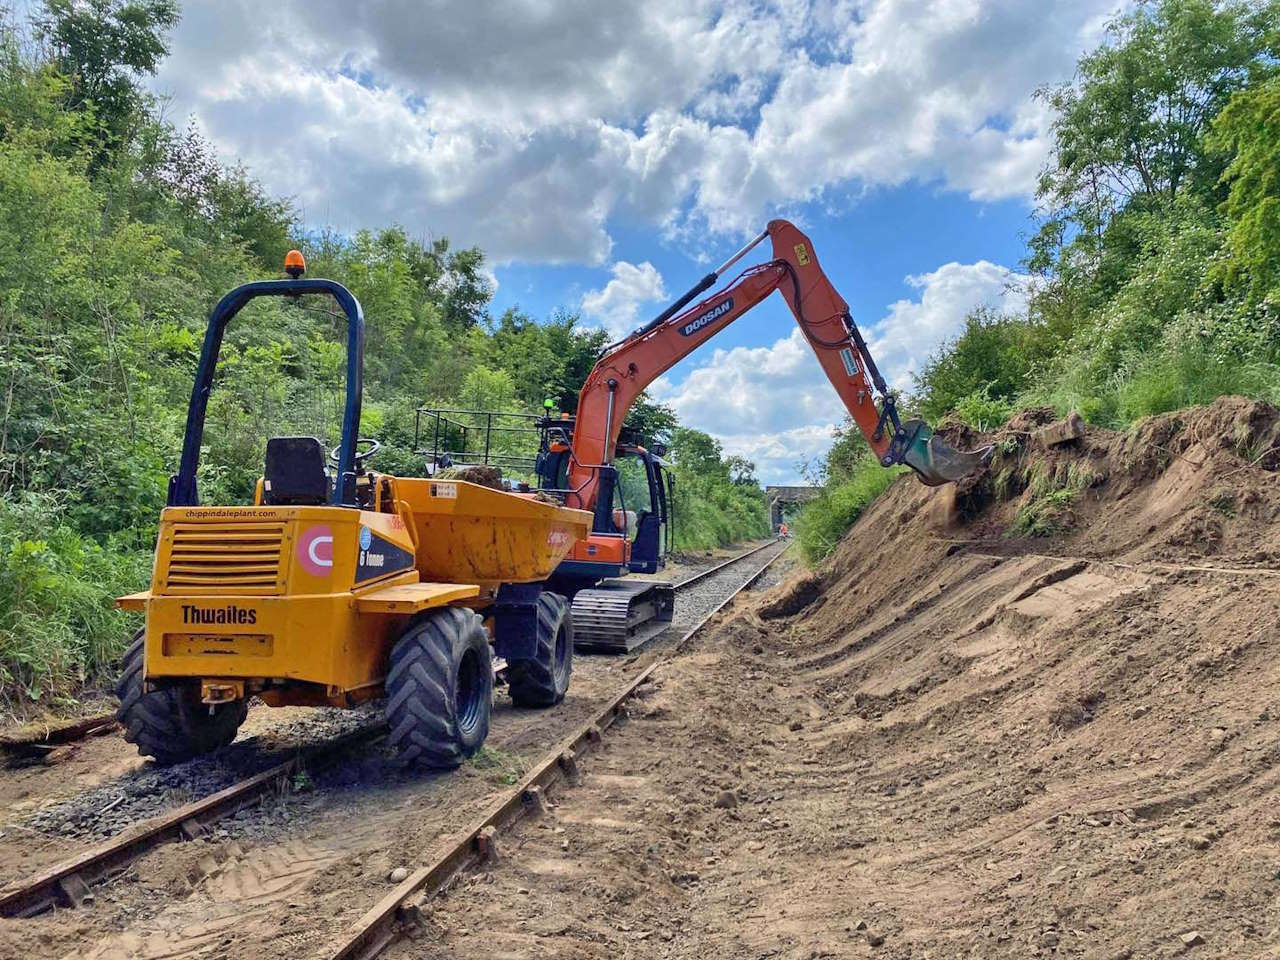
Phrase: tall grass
[58,624]
[1171,377]
[823,521]
[1187,377]
[710,512]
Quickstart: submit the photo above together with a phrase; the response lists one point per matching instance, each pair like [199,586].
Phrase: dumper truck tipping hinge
[610,614]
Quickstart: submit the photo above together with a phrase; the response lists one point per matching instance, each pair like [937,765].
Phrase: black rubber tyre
[544,680]
[171,724]
[440,689]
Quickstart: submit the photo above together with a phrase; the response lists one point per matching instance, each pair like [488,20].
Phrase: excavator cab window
[666,486]
[632,496]
[643,482]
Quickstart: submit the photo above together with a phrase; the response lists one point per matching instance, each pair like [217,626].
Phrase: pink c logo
[315,550]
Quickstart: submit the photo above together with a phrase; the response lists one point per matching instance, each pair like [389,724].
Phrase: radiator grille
[216,557]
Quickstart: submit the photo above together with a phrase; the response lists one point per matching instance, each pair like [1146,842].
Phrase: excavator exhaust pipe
[935,461]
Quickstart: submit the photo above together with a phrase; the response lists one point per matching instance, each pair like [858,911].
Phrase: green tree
[1248,131]
[991,356]
[742,472]
[653,422]
[1128,130]
[547,360]
[105,47]
[697,451]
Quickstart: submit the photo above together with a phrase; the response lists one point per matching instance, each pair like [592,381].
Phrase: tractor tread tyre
[423,709]
[170,724]
[544,680]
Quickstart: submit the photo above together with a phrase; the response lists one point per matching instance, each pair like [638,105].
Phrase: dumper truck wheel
[544,680]
[171,724]
[440,689]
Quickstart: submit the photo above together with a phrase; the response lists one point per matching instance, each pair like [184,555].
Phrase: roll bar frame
[182,485]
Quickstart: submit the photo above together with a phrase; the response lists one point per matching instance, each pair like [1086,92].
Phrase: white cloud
[913,329]
[779,456]
[775,406]
[616,307]
[770,404]
[529,127]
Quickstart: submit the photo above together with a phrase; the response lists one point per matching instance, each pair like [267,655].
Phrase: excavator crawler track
[619,615]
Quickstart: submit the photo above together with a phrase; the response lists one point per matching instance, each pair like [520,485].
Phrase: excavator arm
[628,367]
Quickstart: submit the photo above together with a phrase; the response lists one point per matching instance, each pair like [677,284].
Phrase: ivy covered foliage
[118,233]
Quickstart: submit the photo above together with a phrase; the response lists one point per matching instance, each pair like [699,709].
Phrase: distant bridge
[778,496]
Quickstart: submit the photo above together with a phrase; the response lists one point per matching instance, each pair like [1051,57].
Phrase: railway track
[475,843]
[704,574]
[70,882]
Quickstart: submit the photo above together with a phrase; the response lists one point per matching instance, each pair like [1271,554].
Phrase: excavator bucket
[936,461]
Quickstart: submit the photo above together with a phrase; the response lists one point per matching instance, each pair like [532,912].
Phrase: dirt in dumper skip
[957,739]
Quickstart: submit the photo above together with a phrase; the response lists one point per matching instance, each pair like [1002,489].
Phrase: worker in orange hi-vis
[782,530]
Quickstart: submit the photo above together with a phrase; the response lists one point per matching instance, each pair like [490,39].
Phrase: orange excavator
[579,455]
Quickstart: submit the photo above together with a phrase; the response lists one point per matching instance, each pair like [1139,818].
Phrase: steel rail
[720,566]
[472,845]
[67,883]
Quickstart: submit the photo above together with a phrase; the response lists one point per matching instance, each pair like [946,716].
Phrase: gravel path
[105,810]
[697,600]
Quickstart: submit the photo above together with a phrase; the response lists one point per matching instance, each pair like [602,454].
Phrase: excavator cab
[642,492]
[638,508]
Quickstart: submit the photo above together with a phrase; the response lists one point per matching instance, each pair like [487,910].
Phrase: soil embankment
[1037,716]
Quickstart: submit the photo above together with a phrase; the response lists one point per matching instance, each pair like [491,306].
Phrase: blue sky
[868,249]
[604,155]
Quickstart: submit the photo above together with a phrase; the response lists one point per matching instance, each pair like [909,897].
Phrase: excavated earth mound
[1035,716]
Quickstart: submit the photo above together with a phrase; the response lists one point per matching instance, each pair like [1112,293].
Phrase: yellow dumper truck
[339,584]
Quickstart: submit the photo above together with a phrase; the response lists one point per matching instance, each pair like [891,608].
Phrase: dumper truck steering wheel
[373,446]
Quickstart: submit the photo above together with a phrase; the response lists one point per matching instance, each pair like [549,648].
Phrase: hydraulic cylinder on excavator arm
[630,365]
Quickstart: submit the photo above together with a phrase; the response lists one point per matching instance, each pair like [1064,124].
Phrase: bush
[59,627]
[823,521]
[990,358]
[710,511]
[982,411]
[717,500]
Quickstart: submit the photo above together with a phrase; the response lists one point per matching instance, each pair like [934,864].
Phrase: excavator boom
[618,614]
[628,367]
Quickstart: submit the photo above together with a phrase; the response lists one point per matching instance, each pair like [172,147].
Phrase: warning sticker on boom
[850,364]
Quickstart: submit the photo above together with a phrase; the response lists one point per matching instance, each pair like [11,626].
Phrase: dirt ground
[951,742]
[287,876]
[955,740]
